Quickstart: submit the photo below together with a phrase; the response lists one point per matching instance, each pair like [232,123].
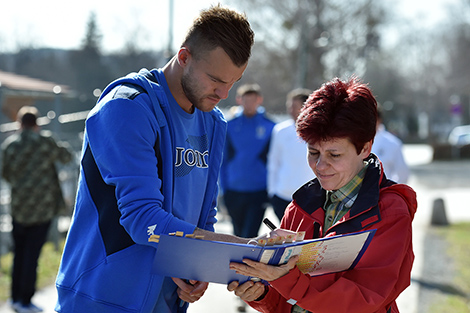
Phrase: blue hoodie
[244,167]
[126,193]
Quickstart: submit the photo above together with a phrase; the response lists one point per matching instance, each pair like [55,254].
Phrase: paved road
[445,180]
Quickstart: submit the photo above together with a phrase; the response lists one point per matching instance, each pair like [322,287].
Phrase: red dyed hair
[339,109]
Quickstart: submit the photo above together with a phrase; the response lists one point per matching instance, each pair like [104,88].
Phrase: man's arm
[208,235]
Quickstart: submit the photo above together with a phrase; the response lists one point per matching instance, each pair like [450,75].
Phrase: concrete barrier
[439,215]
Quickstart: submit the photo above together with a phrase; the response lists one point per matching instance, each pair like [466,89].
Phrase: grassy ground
[457,237]
[47,269]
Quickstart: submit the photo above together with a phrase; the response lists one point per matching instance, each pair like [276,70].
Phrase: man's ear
[183,56]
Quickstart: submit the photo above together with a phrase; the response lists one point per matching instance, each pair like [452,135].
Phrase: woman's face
[335,162]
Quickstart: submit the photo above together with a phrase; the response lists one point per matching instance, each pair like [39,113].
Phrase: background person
[244,168]
[350,193]
[150,163]
[29,166]
[287,158]
[389,149]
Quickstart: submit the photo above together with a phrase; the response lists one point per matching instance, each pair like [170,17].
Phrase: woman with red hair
[350,193]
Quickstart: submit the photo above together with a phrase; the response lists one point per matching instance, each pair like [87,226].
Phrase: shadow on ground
[438,273]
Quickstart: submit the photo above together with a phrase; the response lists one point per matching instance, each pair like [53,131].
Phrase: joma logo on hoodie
[191,157]
[195,155]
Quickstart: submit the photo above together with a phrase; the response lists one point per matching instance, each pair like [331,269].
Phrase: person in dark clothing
[29,159]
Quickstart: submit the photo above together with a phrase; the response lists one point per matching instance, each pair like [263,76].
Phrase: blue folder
[205,260]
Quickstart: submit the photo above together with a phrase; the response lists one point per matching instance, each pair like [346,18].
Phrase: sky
[62,24]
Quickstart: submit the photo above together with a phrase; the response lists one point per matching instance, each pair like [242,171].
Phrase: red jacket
[384,270]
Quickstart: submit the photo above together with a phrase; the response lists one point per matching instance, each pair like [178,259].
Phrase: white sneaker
[15,306]
[23,309]
[30,308]
[34,307]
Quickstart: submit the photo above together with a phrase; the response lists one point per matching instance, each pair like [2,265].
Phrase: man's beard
[189,89]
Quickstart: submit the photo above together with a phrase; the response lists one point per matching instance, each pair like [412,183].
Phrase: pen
[268,223]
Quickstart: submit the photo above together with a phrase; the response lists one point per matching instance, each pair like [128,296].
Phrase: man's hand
[248,291]
[192,291]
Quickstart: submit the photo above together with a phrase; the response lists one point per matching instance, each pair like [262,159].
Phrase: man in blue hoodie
[150,162]
[243,176]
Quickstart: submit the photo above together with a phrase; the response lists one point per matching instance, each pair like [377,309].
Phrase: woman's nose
[321,162]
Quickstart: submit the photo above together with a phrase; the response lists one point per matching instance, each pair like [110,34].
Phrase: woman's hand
[263,271]
[248,291]
[276,233]
[190,291]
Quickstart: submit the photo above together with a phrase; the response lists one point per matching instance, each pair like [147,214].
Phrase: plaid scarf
[338,202]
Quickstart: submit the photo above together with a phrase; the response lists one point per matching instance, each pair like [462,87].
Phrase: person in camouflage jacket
[29,166]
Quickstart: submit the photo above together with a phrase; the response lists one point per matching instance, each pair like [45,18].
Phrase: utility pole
[169,50]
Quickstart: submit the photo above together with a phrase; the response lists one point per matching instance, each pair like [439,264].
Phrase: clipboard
[205,260]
